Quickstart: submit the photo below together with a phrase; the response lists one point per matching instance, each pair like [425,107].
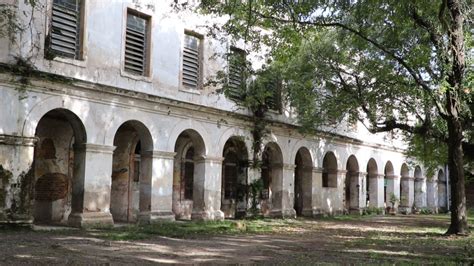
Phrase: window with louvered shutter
[191,77]
[274,100]
[136,45]
[236,79]
[65,28]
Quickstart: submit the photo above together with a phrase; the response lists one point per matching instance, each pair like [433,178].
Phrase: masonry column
[357,203]
[283,193]
[156,192]
[207,188]
[393,187]
[432,194]
[91,186]
[308,185]
[420,192]
[253,174]
[316,192]
[16,179]
[376,191]
[339,197]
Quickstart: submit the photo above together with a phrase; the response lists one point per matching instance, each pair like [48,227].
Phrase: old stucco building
[106,119]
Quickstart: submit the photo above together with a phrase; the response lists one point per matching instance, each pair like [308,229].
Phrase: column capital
[94,148]
[406,178]
[289,166]
[208,159]
[341,172]
[391,176]
[317,170]
[17,140]
[159,154]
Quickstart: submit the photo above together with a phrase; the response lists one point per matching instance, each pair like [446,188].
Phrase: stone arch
[352,185]
[190,152]
[59,166]
[234,178]
[234,133]
[196,130]
[404,187]
[272,177]
[442,191]
[389,183]
[131,172]
[373,189]
[303,181]
[330,169]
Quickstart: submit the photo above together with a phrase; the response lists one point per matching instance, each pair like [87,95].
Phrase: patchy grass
[191,229]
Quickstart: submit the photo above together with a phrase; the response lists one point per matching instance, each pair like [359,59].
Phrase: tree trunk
[459,223]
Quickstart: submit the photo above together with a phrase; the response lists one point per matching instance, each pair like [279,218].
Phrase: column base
[90,219]
[358,211]
[286,213]
[155,217]
[404,210]
[208,216]
[18,220]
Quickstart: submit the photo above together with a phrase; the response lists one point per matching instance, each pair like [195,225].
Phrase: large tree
[400,66]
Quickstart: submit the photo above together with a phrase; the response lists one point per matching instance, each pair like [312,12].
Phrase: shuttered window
[65,28]
[236,79]
[274,100]
[191,61]
[136,44]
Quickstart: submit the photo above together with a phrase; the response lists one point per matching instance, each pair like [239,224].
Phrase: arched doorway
[190,150]
[303,181]
[131,172]
[59,163]
[372,184]
[352,185]
[234,178]
[404,188]
[272,175]
[442,193]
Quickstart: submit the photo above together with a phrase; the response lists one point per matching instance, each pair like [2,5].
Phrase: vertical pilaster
[316,192]
[420,192]
[157,191]
[16,178]
[376,191]
[283,192]
[432,194]
[207,188]
[91,186]
[308,184]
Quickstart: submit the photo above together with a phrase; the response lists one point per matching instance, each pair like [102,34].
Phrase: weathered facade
[106,119]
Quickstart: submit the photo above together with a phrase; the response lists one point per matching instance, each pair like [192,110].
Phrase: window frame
[82,53]
[148,72]
[199,86]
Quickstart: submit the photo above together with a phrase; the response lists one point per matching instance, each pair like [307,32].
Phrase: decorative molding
[159,154]
[94,148]
[17,140]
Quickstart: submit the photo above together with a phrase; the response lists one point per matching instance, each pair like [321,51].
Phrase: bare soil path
[359,240]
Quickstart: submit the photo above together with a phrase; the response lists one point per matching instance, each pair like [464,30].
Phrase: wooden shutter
[136,45]
[65,25]
[236,82]
[274,100]
[191,61]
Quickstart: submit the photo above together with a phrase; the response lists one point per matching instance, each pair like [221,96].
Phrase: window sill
[74,62]
[125,74]
[192,91]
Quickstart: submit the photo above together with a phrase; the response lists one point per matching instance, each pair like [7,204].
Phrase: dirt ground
[373,240]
